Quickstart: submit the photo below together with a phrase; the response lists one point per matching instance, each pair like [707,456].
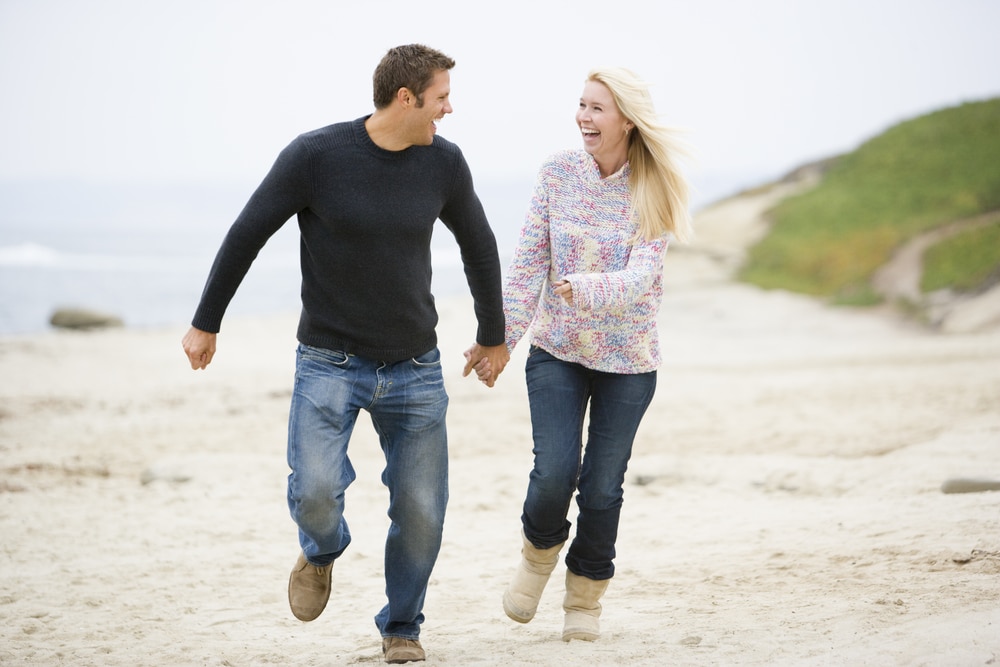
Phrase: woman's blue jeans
[407,403]
[559,393]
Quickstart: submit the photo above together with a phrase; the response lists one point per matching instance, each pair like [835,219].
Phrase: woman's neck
[608,165]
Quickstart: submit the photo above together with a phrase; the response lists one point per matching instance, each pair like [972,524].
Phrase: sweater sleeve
[529,267]
[618,289]
[463,214]
[285,190]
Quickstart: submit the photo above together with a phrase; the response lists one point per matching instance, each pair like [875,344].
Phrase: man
[367,194]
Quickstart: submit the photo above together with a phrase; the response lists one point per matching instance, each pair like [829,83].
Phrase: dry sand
[783,506]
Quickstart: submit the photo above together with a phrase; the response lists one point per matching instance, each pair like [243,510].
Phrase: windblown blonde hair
[659,190]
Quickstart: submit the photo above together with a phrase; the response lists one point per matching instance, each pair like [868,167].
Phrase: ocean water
[142,253]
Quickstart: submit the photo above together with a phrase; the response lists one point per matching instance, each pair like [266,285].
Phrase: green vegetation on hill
[965,261]
[916,176]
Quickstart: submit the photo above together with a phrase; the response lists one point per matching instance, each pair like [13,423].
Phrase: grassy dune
[917,176]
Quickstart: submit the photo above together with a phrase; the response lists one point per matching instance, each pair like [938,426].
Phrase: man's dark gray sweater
[365,219]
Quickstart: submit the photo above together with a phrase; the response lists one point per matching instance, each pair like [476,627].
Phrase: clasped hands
[487,361]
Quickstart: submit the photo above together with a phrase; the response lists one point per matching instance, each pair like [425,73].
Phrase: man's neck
[383,129]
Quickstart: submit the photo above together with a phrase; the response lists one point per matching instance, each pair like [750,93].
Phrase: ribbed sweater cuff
[208,320]
[490,334]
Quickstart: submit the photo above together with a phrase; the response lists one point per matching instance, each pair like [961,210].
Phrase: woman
[587,279]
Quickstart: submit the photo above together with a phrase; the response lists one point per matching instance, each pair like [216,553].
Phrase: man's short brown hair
[412,66]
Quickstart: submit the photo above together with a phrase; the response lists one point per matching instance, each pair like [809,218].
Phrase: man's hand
[489,362]
[199,346]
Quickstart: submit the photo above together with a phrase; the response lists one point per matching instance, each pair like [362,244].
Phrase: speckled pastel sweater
[578,229]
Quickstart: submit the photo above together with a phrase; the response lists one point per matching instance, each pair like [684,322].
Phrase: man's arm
[285,191]
[463,214]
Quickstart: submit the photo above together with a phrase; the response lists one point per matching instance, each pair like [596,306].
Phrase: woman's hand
[564,289]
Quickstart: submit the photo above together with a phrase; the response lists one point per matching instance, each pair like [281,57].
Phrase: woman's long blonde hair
[659,190]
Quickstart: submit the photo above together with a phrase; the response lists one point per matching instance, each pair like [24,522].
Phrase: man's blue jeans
[559,393]
[407,403]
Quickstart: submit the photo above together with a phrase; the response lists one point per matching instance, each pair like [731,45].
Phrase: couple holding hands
[586,280]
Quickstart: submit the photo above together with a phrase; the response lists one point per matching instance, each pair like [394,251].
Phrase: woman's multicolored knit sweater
[578,228]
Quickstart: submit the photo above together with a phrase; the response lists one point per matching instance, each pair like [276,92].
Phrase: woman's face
[604,128]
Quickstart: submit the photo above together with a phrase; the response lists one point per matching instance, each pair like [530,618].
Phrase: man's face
[432,107]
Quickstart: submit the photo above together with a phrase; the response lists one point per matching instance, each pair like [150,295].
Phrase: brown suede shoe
[308,589]
[398,650]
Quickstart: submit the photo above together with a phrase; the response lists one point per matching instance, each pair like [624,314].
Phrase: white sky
[203,91]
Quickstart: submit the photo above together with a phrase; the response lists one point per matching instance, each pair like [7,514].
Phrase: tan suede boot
[398,650]
[308,589]
[520,600]
[583,607]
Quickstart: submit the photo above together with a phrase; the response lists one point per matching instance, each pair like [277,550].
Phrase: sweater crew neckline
[365,141]
[591,171]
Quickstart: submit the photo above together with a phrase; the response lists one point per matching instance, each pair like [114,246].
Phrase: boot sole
[514,612]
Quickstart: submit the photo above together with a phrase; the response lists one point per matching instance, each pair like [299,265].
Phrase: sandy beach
[784,505]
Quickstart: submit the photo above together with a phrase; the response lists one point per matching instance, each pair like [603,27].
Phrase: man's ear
[404,97]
